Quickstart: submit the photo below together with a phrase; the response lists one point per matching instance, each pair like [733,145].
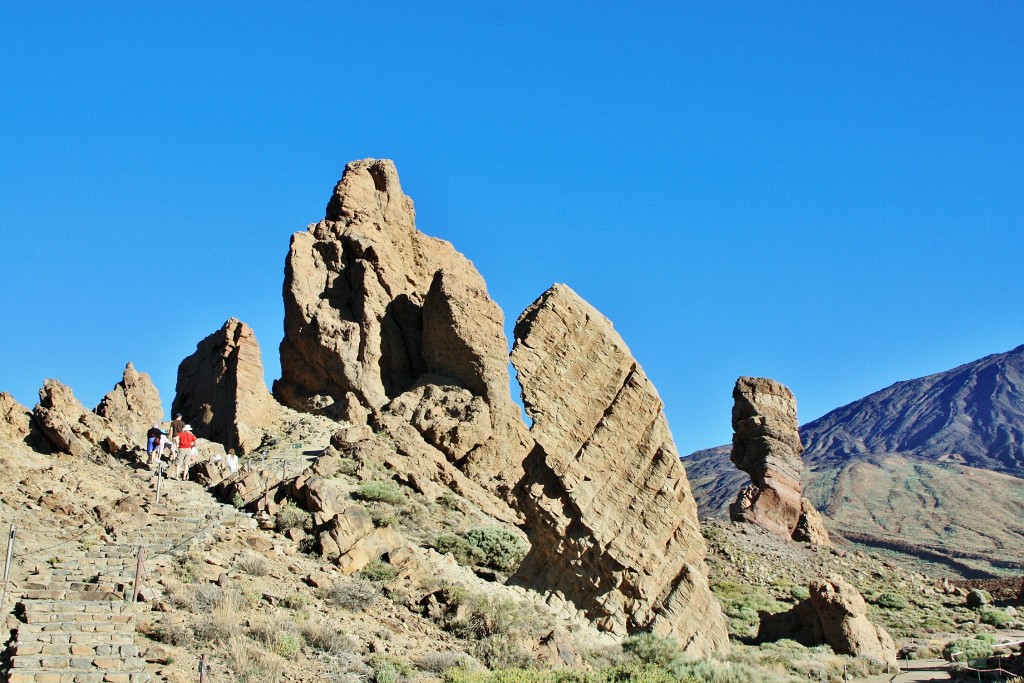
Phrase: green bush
[503,549]
[463,551]
[969,649]
[892,601]
[380,491]
[800,592]
[377,571]
[652,649]
[291,516]
[742,604]
[994,617]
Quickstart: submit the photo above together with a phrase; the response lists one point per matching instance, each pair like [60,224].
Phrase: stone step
[77,676]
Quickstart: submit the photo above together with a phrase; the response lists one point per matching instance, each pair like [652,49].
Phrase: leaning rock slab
[610,517]
[221,391]
[15,420]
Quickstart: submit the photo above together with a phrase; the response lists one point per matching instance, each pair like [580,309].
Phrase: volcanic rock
[811,525]
[372,306]
[221,391]
[133,405]
[71,428]
[835,614]
[766,445]
[15,420]
[610,516]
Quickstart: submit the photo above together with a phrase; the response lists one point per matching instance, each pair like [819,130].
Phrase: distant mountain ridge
[973,414]
[932,467]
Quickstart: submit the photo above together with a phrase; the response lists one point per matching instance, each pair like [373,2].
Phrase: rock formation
[133,405]
[766,445]
[221,391]
[374,308]
[70,427]
[612,523]
[15,420]
[835,614]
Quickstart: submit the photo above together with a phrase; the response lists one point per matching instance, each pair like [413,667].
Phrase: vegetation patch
[380,492]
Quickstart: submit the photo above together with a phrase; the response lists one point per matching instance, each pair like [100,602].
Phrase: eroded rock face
[133,405]
[221,391]
[766,445]
[610,517]
[71,428]
[373,306]
[835,614]
[810,527]
[844,622]
[15,419]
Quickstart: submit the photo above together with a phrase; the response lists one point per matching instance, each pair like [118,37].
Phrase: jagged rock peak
[133,404]
[221,391]
[374,309]
[612,523]
[15,419]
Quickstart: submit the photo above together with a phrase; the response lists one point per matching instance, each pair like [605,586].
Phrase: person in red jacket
[186,451]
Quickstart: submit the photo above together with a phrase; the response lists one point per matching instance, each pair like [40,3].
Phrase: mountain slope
[920,467]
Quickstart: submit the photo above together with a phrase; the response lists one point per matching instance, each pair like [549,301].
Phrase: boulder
[133,405]
[70,427]
[766,445]
[15,420]
[611,521]
[842,613]
[372,306]
[221,391]
[836,615]
[351,540]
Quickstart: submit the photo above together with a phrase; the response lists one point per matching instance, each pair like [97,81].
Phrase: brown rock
[221,391]
[835,614]
[352,541]
[844,622]
[15,420]
[810,527]
[133,405]
[67,424]
[610,516]
[372,305]
[766,445]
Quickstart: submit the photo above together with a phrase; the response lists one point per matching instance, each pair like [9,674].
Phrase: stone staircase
[76,624]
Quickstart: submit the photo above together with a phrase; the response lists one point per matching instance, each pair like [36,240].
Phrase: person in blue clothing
[153,437]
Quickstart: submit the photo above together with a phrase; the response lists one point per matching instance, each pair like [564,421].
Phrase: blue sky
[829,194]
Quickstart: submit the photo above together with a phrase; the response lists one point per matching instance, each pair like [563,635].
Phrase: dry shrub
[353,594]
[222,625]
[326,636]
[252,664]
[253,564]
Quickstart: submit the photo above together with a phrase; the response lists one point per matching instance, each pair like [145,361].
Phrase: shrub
[383,519]
[221,626]
[892,601]
[995,617]
[652,649]
[501,652]
[353,594]
[378,571]
[439,662]
[251,663]
[502,549]
[800,593]
[380,491]
[295,600]
[326,636]
[291,516]
[463,551]
[253,564]
[742,605]
[967,649]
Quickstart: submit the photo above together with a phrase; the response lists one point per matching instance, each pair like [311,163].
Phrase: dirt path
[919,670]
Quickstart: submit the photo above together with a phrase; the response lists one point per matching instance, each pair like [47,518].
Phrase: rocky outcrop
[835,614]
[766,445]
[374,309]
[221,391]
[15,420]
[610,516]
[70,427]
[133,405]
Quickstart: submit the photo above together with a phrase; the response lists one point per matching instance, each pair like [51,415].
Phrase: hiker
[232,462]
[186,451]
[177,427]
[153,438]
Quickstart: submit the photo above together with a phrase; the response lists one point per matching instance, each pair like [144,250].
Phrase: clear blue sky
[827,193]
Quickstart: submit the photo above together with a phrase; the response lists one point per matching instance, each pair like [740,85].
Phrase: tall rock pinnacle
[766,445]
